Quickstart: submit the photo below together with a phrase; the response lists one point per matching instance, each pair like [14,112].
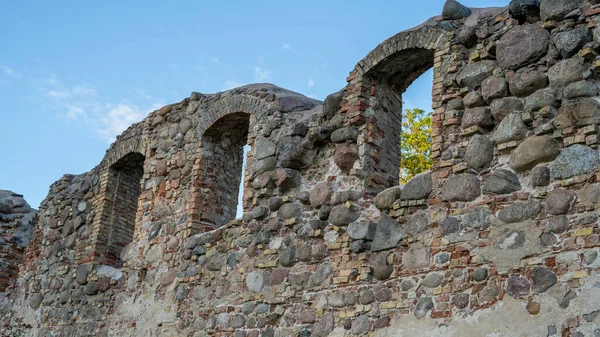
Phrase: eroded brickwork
[500,238]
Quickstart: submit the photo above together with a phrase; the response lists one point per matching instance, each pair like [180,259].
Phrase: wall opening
[219,189]
[123,191]
[395,75]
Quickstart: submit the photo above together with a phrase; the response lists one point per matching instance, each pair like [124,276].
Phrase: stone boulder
[345,156]
[571,41]
[453,10]
[575,160]
[388,234]
[419,187]
[525,10]
[522,45]
[461,187]
[501,108]
[473,74]
[532,151]
[557,9]
[566,72]
[502,182]
[386,198]
[479,152]
[511,128]
[580,112]
[527,82]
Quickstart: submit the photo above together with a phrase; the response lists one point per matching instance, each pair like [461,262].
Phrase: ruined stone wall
[500,238]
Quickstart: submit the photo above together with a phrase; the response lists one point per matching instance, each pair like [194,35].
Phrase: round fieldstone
[559,201]
[557,9]
[460,300]
[260,212]
[341,215]
[361,230]
[91,289]
[502,182]
[533,308]
[511,128]
[479,152]
[480,274]
[540,176]
[416,223]
[360,324]
[525,10]
[527,82]
[481,117]
[473,100]
[546,97]
[571,41]
[494,87]
[349,134]
[81,275]
[580,89]
[419,187]
[461,187]
[557,224]
[450,225]
[590,257]
[386,198]
[257,280]
[575,160]
[500,108]
[381,269]
[454,10]
[578,112]
[478,217]
[320,195]
[518,286]
[388,234]
[566,72]
[35,301]
[521,45]
[543,279]
[324,326]
[532,151]
[290,210]
[472,75]
[344,156]
[287,256]
[433,280]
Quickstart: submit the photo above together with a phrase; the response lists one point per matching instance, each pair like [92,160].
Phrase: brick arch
[373,98]
[121,148]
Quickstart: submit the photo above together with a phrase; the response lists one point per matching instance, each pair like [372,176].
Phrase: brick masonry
[500,238]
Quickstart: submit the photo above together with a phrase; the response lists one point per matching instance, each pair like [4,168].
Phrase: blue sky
[73,74]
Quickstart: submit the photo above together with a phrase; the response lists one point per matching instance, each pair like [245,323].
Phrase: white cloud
[286,46]
[310,83]
[9,71]
[83,104]
[261,75]
[230,84]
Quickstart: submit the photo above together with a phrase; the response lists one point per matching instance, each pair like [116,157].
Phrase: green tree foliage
[415,144]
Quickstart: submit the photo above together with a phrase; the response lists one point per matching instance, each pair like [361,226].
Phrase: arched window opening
[119,214]
[219,189]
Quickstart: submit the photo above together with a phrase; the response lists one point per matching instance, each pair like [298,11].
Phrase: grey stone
[502,182]
[91,289]
[478,217]
[442,258]
[575,160]
[366,296]
[474,73]
[320,194]
[580,89]
[362,230]
[360,246]
[557,224]
[450,225]
[579,112]
[237,321]
[517,286]
[324,212]
[500,108]
[345,134]
[290,210]
[433,280]
[332,103]
[260,212]
[479,152]
[424,305]
[540,176]
[590,257]
[381,269]
[521,45]
[265,165]
[559,201]
[453,10]
[542,98]
[416,257]
[566,72]
[264,148]
[481,117]
[480,274]
[287,256]
[520,211]
[472,100]
[543,279]
[386,198]
[287,178]
[527,82]
[525,10]
[360,324]
[292,154]
[571,41]
[494,87]
[341,215]
[81,275]
[557,9]
[387,235]
[322,274]
[257,280]
[461,300]
[565,301]
[416,223]
[406,285]
[324,326]
[461,187]
[419,187]
[35,301]
[532,151]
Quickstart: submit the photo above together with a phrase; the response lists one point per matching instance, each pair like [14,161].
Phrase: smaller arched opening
[123,189]
[218,179]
